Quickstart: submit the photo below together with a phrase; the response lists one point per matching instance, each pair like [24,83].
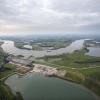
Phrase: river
[38,87]
[8,47]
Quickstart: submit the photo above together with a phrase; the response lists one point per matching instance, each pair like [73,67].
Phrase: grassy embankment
[5,92]
[80,68]
[10,69]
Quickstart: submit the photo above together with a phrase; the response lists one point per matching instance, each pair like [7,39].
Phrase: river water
[37,87]
[9,47]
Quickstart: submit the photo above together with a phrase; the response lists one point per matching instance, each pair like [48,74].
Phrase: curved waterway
[8,47]
[37,87]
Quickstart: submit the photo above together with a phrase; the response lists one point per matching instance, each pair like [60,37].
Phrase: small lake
[37,87]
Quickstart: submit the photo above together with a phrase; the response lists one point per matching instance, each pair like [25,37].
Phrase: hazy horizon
[49,16]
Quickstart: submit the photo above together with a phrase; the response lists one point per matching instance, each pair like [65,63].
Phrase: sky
[49,16]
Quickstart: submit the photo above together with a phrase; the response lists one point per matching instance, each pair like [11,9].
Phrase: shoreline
[97,97]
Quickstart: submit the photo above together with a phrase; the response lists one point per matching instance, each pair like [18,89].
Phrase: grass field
[36,46]
[56,45]
[75,76]
[18,44]
[11,70]
[89,71]
[78,60]
[75,60]
[95,76]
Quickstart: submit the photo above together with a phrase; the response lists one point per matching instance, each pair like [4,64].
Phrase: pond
[37,87]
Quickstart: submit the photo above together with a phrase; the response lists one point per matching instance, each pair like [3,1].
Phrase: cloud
[75,6]
[93,27]
[49,16]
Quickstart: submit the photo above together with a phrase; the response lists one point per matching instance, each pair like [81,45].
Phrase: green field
[95,76]
[75,60]
[56,45]
[89,71]
[78,60]
[36,47]
[10,70]
[18,44]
